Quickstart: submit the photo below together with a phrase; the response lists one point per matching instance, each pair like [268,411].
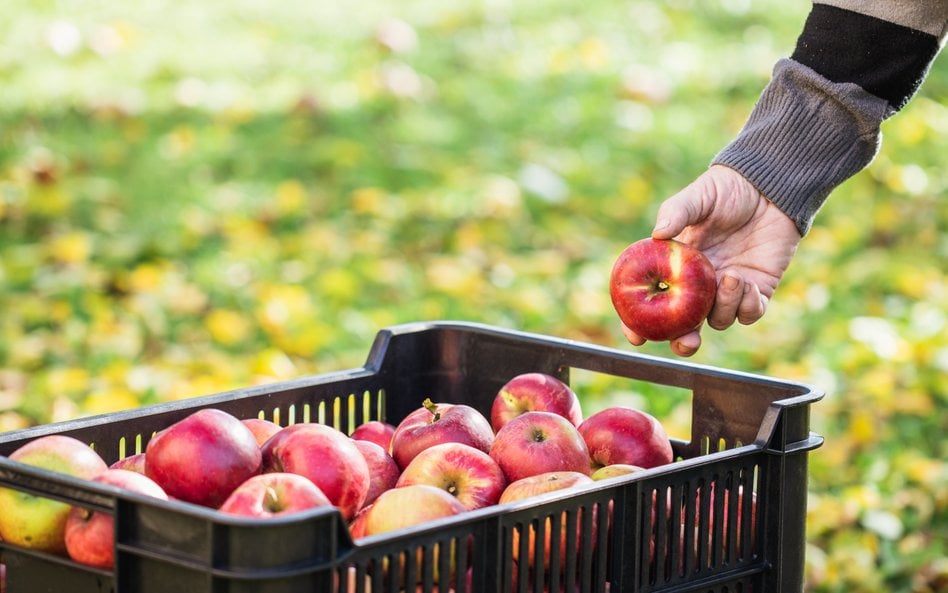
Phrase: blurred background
[201,196]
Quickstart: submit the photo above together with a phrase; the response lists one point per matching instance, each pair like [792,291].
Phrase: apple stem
[662,285]
[271,502]
[433,408]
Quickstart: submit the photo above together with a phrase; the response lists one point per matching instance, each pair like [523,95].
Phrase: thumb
[679,211]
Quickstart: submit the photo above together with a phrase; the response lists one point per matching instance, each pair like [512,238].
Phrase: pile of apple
[441,460]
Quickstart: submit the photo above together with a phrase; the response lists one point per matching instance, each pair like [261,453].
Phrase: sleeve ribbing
[805,136]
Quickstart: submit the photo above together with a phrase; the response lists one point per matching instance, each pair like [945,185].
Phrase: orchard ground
[202,197]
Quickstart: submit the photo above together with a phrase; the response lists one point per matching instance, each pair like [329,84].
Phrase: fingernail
[730,282]
[662,223]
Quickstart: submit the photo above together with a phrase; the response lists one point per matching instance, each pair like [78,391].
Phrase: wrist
[805,136]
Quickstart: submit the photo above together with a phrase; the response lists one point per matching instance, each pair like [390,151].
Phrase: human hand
[749,241]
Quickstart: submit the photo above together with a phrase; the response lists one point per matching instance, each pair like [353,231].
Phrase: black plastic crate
[654,531]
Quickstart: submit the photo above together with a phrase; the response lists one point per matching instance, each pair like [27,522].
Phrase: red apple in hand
[467,473]
[90,535]
[539,442]
[326,456]
[274,494]
[203,458]
[377,432]
[383,471]
[621,434]
[433,424]
[39,523]
[531,392]
[662,289]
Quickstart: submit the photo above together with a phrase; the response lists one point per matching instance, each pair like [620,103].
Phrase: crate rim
[807,393]
[672,372]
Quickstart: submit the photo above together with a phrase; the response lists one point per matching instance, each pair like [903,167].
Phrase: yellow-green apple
[400,508]
[383,471]
[39,523]
[326,456]
[377,431]
[274,494]
[409,506]
[535,486]
[530,392]
[90,535]
[203,457]
[615,470]
[607,472]
[621,434]
[262,429]
[662,289]
[133,463]
[433,424]
[539,442]
[469,474]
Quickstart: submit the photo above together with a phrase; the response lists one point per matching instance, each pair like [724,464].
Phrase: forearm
[818,121]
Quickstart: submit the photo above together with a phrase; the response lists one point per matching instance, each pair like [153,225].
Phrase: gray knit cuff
[805,136]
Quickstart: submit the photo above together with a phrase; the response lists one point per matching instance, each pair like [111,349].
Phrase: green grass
[202,196]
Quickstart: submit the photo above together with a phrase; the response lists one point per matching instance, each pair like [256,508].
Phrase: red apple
[133,463]
[535,486]
[326,456]
[274,494]
[383,471]
[203,458]
[539,442]
[433,424]
[376,431]
[662,289]
[39,523]
[621,434]
[468,474]
[534,392]
[357,524]
[542,483]
[404,507]
[262,429]
[90,535]
[615,470]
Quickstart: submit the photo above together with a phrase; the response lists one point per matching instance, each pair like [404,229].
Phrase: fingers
[631,336]
[679,211]
[687,344]
[729,297]
[736,300]
[753,305]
